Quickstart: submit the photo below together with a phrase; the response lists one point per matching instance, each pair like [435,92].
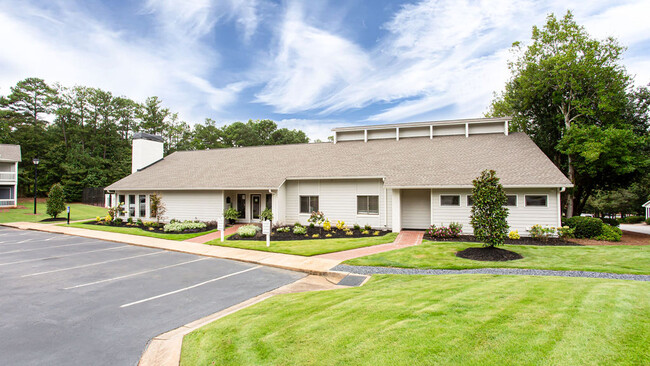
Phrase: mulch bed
[157,230]
[279,236]
[628,238]
[490,254]
[522,241]
[51,219]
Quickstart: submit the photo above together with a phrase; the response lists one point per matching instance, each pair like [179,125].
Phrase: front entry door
[255,206]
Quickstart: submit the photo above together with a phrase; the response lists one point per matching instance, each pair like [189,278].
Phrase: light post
[35,161]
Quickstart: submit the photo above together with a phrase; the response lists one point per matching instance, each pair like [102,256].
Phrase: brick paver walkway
[403,240]
[215,235]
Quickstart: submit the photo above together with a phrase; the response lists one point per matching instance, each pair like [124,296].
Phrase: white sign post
[221,226]
[266,229]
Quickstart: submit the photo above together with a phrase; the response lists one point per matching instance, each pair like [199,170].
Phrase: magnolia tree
[489,214]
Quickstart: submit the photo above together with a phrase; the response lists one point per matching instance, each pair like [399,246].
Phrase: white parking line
[133,274]
[91,264]
[56,246]
[65,255]
[188,288]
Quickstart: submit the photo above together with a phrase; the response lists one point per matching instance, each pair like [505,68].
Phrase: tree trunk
[572,171]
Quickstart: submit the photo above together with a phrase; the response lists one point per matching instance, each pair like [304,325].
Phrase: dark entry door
[255,206]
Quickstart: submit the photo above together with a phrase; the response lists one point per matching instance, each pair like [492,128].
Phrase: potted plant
[231,215]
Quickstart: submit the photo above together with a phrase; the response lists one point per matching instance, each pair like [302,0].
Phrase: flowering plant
[452,231]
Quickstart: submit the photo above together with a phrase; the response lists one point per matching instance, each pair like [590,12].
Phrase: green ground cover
[438,320]
[307,247]
[437,255]
[78,211]
[138,231]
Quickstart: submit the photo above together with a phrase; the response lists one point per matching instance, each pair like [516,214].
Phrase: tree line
[82,135]
[570,93]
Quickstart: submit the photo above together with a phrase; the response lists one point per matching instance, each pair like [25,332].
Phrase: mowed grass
[436,255]
[438,320]
[137,231]
[307,247]
[78,211]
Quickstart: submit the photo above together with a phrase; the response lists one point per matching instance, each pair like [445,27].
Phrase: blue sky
[312,64]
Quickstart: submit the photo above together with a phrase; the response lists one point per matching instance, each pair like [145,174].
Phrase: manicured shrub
[566,232]
[299,230]
[179,227]
[315,236]
[312,225]
[631,220]
[150,224]
[367,227]
[340,225]
[647,221]
[514,235]
[376,233]
[489,213]
[585,227]
[349,232]
[285,229]
[231,214]
[540,232]
[356,227]
[365,232]
[248,231]
[328,235]
[444,232]
[613,222]
[55,203]
[267,214]
[610,233]
[327,225]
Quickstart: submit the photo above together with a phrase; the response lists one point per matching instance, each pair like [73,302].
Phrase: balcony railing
[7,203]
[7,176]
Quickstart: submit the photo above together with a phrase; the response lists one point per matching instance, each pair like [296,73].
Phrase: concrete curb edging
[165,349]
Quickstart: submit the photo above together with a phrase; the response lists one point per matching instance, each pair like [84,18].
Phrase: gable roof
[647,204]
[10,153]
[450,161]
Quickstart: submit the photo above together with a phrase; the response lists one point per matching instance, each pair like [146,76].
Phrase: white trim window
[308,204]
[367,205]
[536,200]
[450,200]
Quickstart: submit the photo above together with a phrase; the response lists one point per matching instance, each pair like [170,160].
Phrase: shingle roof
[9,153]
[413,162]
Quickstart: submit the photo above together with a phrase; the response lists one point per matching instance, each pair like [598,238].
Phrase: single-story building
[646,206]
[397,176]
[9,159]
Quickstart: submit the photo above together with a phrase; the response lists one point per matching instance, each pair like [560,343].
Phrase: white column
[559,209]
[397,211]
[16,184]
[466,129]
[431,132]
[334,136]
[431,205]
[397,133]
[506,128]
[365,135]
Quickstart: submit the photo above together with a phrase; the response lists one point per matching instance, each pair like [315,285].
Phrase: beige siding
[350,136]
[477,128]
[193,205]
[337,200]
[414,132]
[381,134]
[520,217]
[448,130]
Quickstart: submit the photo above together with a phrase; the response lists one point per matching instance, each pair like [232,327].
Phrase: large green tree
[563,85]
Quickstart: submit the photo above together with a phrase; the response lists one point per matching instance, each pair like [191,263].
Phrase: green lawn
[78,211]
[438,320]
[435,255]
[307,247]
[138,231]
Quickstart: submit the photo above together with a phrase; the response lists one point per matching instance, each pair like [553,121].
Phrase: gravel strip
[369,270]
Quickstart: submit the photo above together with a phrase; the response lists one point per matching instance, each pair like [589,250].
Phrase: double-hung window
[536,200]
[368,205]
[308,204]
[449,200]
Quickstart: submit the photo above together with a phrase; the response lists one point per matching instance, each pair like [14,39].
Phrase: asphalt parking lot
[67,300]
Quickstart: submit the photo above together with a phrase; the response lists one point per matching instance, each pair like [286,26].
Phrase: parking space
[67,300]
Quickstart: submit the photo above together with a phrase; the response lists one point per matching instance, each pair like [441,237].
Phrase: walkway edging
[370,270]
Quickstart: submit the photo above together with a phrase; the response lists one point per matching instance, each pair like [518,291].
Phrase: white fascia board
[192,189]
[339,177]
[463,186]
[647,204]
[422,124]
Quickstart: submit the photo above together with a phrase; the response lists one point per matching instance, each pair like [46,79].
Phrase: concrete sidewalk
[311,265]
[403,240]
[215,235]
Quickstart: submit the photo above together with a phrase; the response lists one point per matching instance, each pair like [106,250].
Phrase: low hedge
[585,227]
[248,231]
[612,222]
[647,221]
[610,233]
[179,227]
[631,220]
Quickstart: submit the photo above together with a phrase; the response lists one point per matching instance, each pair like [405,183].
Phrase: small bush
[231,214]
[367,227]
[179,227]
[647,221]
[299,230]
[316,218]
[129,220]
[55,204]
[340,225]
[328,235]
[312,225]
[540,232]
[267,214]
[585,227]
[365,232]
[349,232]
[631,220]
[356,227]
[514,235]
[376,233]
[610,233]
[452,231]
[248,231]
[327,225]
[566,232]
[149,224]
[315,236]
[285,229]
